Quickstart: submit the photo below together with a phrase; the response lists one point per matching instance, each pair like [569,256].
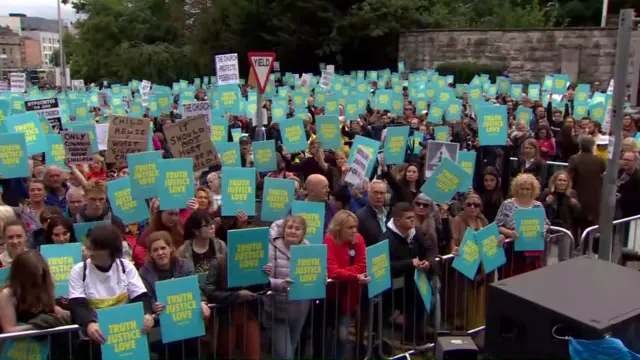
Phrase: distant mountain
[39,24]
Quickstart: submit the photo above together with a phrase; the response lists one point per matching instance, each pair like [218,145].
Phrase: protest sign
[369,145]
[436,151]
[55,155]
[182,315]
[277,197]
[123,203]
[29,125]
[175,183]
[104,99]
[18,82]
[264,155]
[308,272]
[424,288]
[468,260]
[313,213]
[77,147]
[357,170]
[238,191]
[395,144]
[49,108]
[492,125]
[492,254]
[198,108]
[229,154]
[143,168]
[122,329]
[467,161]
[227,69]
[27,348]
[378,268]
[248,254]
[82,229]
[77,85]
[530,228]
[127,135]
[445,181]
[13,156]
[328,129]
[190,139]
[61,259]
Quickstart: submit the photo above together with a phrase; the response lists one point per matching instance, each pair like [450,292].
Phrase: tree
[54,58]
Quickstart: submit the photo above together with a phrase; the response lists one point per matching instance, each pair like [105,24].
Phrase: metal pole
[259,117]
[609,185]
[605,9]
[63,66]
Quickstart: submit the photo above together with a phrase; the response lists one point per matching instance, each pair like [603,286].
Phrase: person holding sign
[406,188]
[103,281]
[467,313]
[285,318]
[525,188]
[164,264]
[347,265]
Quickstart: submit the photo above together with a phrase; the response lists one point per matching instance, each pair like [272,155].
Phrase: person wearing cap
[246,157]
[602,147]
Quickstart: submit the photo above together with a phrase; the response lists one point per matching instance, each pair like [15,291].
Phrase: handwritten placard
[127,135]
[190,139]
[77,147]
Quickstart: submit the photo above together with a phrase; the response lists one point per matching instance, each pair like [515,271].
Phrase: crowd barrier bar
[589,249]
[555,163]
[375,332]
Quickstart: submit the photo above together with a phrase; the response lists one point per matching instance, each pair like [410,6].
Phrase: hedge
[464,72]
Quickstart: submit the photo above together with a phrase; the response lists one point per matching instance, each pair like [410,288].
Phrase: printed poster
[395,145]
[13,156]
[277,198]
[436,151]
[129,209]
[29,125]
[143,170]
[313,213]
[356,174]
[81,229]
[238,191]
[308,272]
[182,315]
[378,268]
[492,125]
[294,137]
[264,155]
[530,229]
[328,132]
[445,181]
[61,259]
[25,349]
[175,183]
[468,261]
[467,161]
[122,327]
[492,254]
[229,154]
[424,288]
[248,254]
[369,145]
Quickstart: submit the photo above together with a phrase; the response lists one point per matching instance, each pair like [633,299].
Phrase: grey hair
[586,144]
[74,191]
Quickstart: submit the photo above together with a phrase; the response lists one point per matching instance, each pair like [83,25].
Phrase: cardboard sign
[49,108]
[77,147]
[127,135]
[190,139]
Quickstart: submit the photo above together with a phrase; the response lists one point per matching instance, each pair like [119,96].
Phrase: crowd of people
[122,262]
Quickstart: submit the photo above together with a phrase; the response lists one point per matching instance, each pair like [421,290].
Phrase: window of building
[4,51]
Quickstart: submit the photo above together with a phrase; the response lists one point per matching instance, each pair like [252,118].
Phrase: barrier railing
[393,324]
[621,227]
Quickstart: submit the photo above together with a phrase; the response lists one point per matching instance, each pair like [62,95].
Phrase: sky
[47,9]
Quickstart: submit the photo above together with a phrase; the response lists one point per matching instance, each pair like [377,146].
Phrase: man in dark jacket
[628,199]
[97,207]
[408,253]
[372,218]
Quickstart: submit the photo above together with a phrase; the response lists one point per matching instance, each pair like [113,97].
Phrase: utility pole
[63,66]
[609,184]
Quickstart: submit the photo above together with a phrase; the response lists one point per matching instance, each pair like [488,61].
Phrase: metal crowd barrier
[391,325]
[625,234]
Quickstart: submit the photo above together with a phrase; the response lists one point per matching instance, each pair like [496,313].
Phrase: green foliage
[464,72]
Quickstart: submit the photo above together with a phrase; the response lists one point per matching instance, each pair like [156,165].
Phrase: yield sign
[261,64]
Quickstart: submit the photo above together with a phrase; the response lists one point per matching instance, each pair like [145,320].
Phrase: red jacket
[550,145]
[345,272]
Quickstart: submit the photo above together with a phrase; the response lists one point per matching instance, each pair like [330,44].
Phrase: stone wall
[586,54]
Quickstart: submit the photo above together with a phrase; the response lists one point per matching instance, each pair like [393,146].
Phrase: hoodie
[403,250]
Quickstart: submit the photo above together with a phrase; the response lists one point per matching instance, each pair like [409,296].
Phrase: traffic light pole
[609,184]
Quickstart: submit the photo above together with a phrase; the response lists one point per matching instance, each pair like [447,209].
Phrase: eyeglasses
[475,205]
[422,205]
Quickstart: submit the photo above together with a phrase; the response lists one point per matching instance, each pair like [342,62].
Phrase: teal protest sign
[378,268]
[395,144]
[424,288]
[25,349]
[248,254]
[467,161]
[129,209]
[530,229]
[441,133]
[264,155]
[277,198]
[294,137]
[328,130]
[143,170]
[445,181]
[81,229]
[238,191]
[492,125]
[491,253]
[313,213]
[28,124]
[13,156]
[61,259]
[122,328]
[229,154]
[182,315]
[175,183]
[468,261]
[308,272]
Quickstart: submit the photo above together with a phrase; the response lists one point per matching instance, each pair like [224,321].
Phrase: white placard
[18,82]
[77,85]
[145,87]
[358,170]
[325,80]
[276,66]
[227,71]
[77,147]
[197,108]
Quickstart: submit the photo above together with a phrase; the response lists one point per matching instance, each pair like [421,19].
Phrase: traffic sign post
[261,66]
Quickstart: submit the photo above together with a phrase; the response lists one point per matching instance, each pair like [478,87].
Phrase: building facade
[31,54]
[49,42]
[12,22]
[10,49]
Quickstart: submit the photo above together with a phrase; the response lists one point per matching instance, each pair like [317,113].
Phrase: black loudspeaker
[456,348]
[529,316]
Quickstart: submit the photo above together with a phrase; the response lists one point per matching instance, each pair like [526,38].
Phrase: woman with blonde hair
[530,162]
[285,318]
[562,208]
[525,189]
